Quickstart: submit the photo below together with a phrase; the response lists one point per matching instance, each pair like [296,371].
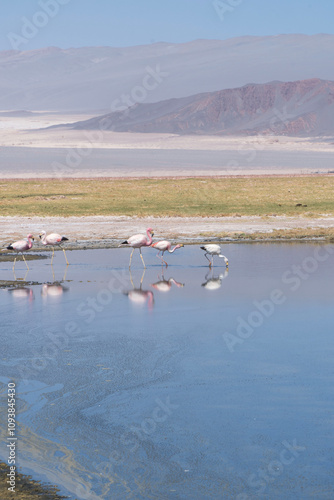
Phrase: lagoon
[177,383]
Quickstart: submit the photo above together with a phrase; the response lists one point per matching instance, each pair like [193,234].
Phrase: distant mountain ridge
[94,78]
[301,108]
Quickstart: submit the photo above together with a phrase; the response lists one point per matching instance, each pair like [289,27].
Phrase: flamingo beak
[181,245]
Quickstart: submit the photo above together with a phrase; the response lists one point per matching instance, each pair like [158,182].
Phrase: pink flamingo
[138,241]
[22,246]
[164,245]
[53,240]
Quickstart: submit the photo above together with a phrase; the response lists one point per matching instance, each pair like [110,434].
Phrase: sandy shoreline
[100,231]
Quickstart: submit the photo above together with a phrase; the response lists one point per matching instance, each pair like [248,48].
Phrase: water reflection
[22,292]
[164,285]
[139,296]
[56,288]
[214,282]
[53,290]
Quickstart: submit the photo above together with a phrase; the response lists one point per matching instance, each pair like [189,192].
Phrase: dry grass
[306,195]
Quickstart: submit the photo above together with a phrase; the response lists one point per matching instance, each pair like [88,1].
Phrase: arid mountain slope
[301,108]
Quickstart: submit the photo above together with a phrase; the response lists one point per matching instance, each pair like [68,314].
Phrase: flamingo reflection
[164,285]
[139,296]
[214,282]
[22,292]
[54,289]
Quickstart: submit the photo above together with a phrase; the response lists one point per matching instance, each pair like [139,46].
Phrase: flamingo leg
[142,258]
[53,273]
[65,256]
[25,261]
[53,254]
[163,259]
[133,286]
[65,273]
[158,255]
[14,264]
[210,263]
[131,257]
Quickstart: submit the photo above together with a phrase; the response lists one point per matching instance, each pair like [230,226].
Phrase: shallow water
[187,385]
[35,162]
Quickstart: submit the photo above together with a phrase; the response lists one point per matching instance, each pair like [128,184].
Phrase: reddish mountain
[302,108]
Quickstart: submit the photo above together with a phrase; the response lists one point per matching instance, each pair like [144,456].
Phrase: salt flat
[30,147]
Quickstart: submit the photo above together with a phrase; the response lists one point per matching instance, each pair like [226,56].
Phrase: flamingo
[213,249]
[22,246]
[138,241]
[53,240]
[164,245]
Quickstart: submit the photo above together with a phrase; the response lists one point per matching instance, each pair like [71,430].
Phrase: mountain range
[301,108]
[100,79]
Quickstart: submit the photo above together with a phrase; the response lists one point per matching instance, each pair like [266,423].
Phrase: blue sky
[81,23]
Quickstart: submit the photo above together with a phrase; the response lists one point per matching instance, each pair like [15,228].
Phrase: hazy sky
[76,23]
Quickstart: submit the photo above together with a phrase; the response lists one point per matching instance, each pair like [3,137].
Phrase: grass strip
[308,196]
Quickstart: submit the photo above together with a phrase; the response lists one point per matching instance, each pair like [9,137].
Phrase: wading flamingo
[138,241]
[213,249]
[164,246]
[22,246]
[53,240]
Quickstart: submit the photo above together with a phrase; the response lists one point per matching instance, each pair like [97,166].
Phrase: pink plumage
[53,240]
[22,246]
[138,241]
[164,246]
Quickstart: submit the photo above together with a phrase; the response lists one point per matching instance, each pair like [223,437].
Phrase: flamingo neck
[148,243]
[172,250]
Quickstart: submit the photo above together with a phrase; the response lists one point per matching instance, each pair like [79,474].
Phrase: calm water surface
[34,162]
[187,384]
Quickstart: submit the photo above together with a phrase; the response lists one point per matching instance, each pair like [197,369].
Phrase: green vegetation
[306,195]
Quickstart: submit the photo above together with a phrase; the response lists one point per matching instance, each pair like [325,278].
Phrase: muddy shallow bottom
[177,383]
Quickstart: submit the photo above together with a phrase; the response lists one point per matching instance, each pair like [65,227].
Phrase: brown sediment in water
[26,488]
